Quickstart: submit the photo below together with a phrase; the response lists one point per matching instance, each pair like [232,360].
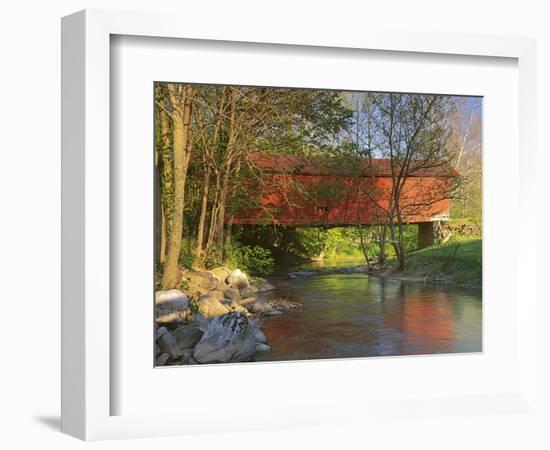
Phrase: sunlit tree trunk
[181,101]
[202,217]
[166,181]
[229,160]
[382,231]
[162,245]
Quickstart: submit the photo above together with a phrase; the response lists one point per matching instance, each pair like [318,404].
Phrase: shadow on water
[353,315]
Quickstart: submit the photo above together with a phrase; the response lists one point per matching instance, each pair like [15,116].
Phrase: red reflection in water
[427,324]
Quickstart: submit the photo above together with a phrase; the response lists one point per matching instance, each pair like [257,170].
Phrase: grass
[457,261]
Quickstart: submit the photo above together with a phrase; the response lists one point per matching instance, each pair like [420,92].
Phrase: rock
[202,280]
[158,351]
[262,285]
[162,359]
[210,306]
[187,336]
[258,334]
[192,361]
[217,295]
[248,292]
[196,291]
[262,348]
[227,339]
[171,306]
[265,308]
[187,353]
[234,306]
[247,302]
[232,294]
[160,332]
[237,279]
[200,321]
[221,273]
[169,344]
[274,307]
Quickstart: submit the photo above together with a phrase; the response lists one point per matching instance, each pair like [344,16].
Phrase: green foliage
[254,260]
[187,257]
[290,246]
[214,258]
[184,284]
[193,305]
[410,237]
[158,276]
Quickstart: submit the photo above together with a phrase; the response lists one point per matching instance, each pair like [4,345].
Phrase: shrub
[187,256]
[253,259]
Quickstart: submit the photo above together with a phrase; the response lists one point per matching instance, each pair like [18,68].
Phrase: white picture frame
[86,219]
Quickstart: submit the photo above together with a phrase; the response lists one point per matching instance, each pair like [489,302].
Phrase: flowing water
[354,315]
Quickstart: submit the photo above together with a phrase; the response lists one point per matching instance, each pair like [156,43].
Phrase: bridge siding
[423,200]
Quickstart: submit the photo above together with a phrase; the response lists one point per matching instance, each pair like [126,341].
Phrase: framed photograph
[291,215]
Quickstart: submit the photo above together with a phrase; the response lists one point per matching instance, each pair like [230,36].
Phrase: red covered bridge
[295,191]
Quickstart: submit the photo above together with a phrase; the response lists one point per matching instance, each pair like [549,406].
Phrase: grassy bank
[457,262]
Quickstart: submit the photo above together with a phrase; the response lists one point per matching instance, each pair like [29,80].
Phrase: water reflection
[354,316]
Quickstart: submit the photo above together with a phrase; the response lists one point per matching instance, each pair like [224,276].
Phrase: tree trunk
[202,217]
[213,217]
[382,245]
[229,230]
[229,160]
[165,178]
[181,121]
[400,248]
[363,246]
[162,245]
[395,244]
[221,213]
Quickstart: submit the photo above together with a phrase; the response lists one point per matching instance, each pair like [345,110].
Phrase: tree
[164,175]
[410,132]
[232,123]
[465,143]
[177,105]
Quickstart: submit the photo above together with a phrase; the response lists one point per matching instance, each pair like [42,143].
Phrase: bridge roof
[325,166]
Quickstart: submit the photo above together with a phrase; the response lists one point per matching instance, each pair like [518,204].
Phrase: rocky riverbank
[215,318]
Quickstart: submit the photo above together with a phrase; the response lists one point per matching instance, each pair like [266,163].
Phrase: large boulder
[200,321]
[263,307]
[258,334]
[210,306]
[261,285]
[160,331]
[232,294]
[248,292]
[237,279]
[257,286]
[187,336]
[200,281]
[248,302]
[162,359]
[168,344]
[221,273]
[218,295]
[171,306]
[227,339]
[234,306]
[262,348]
[176,343]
